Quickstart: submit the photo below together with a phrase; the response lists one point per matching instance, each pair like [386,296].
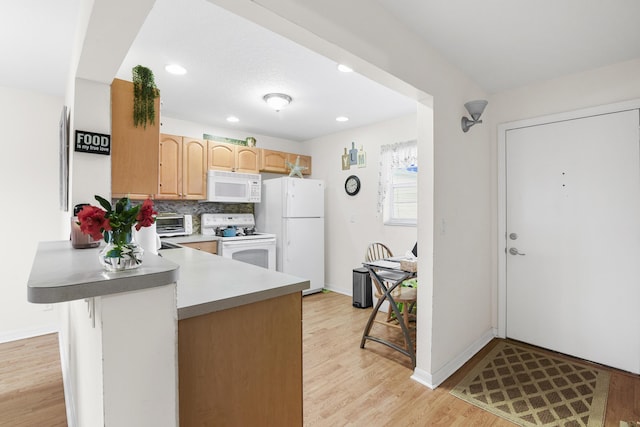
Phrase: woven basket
[407,265]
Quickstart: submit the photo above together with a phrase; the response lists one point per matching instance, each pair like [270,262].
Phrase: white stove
[239,240]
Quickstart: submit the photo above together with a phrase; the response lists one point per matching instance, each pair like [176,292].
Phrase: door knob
[514,251]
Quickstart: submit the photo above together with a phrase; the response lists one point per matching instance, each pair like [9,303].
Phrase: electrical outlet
[48,307]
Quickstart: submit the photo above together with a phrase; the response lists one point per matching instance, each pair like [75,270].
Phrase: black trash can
[362,288]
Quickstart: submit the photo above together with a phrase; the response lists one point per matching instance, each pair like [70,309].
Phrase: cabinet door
[170,167]
[246,159]
[194,169]
[304,161]
[134,150]
[273,161]
[209,246]
[221,156]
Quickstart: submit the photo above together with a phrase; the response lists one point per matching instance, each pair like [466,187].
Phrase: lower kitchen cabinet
[242,366]
[210,246]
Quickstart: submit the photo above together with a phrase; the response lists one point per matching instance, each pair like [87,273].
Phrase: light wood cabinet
[182,168]
[134,150]
[209,246]
[304,161]
[170,161]
[247,159]
[276,161]
[242,366]
[194,169]
[232,158]
[273,161]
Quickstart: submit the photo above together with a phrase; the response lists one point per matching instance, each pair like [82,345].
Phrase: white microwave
[233,187]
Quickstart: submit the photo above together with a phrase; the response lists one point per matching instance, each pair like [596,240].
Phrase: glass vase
[121,252]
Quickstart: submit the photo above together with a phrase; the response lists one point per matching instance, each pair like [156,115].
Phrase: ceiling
[231,63]
[504,44]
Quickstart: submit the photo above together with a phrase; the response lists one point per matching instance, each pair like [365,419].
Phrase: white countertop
[206,282]
[61,273]
[211,283]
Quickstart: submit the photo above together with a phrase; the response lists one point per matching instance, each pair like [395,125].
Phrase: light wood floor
[348,386]
[31,392]
[343,384]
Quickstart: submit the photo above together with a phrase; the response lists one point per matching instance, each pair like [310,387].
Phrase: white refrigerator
[293,210]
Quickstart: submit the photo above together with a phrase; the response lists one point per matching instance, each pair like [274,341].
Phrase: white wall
[351,223]
[196,130]
[29,169]
[92,112]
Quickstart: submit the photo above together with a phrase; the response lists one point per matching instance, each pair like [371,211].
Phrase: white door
[573,237]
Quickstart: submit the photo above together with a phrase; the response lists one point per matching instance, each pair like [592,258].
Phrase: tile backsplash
[196,208]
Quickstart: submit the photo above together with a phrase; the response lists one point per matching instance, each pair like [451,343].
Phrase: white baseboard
[338,290]
[66,383]
[434,380]
[20,334]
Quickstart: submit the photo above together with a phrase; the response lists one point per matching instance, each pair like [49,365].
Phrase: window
[398,186]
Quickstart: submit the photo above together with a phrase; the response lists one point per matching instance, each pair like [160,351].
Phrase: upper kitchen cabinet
[134,150]
[183,168]
[273,161]
[304,161]
[247,159]
[276,161]
[233,158]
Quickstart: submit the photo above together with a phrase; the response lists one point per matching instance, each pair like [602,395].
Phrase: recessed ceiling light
[277,101]
[344,68]
[342,119]
[175,69]
[233,119]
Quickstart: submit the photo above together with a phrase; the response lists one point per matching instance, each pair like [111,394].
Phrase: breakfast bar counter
[210,283]
[214,331]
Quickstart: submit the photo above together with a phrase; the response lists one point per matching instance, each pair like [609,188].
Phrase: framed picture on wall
[64,159]
[362,158]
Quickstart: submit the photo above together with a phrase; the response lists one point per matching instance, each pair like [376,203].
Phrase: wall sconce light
[277,101]
[475,109]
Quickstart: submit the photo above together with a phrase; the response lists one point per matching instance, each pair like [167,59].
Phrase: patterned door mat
[532,388]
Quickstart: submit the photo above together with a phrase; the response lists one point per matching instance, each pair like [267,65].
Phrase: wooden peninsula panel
[242,366]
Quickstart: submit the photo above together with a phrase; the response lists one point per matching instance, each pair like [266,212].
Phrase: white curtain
[399,155]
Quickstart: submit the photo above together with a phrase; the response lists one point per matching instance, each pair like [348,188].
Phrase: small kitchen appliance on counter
[79,240]
[172,224]
[239,240]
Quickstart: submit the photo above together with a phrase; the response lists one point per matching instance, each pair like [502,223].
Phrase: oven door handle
[248,242]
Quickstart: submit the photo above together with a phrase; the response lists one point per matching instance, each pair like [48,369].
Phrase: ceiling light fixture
[344,68]
[342,119]
[277,101]
[233,119]
[475,108]
[176,69]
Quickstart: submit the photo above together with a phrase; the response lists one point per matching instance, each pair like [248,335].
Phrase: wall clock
[352,185]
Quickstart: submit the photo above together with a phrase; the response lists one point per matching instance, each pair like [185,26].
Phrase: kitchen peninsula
[210,339]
